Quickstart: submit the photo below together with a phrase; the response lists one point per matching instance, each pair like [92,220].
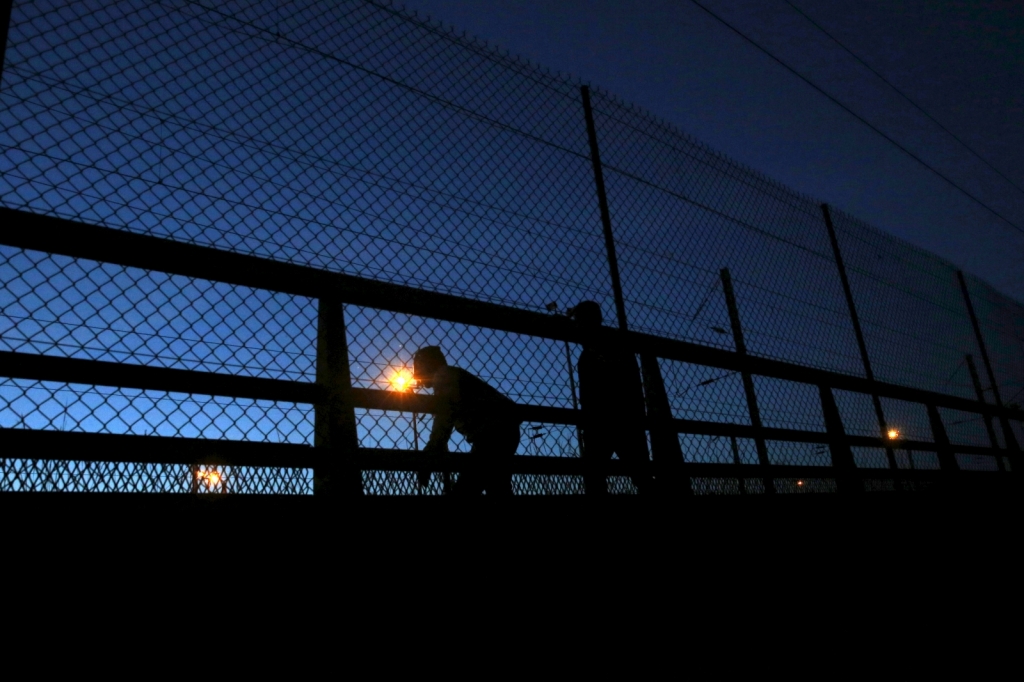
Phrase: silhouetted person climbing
[612,398]
[479,412]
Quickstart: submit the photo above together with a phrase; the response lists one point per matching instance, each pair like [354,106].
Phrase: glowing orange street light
[401,380]
[893,434]
[799,482]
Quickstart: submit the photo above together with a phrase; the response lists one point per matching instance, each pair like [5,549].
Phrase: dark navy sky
[963,62]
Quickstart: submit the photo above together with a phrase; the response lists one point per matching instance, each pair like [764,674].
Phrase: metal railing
[226,228]
[743,453]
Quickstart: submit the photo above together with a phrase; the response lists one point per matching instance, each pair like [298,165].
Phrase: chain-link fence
[349,137]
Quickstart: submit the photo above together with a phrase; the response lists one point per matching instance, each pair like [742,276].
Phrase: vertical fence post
[748,381]
[602,201]
[947,460]
[5,22]
[337,472]
[868,373]
[839,446]
[980,393]
[667,454]
[1011,440]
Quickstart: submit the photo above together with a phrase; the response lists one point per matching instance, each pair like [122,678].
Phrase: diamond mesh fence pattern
[926,460]
[349,136]
[716,486]
[391,483]
[869,458]
[399,483]
[549,440]
[55,406]
[705,393]
[799,454]
[971,462]
[400,431]
[1018,430]
[1002,326]
[683,212]
[805,485]
[53,305]
[909,420]
[788,404]
[341,135]
[526,369]
[911,309]
[857,411]
[965,428]
[69,476]
[717,449]
[879,485]
[911,459]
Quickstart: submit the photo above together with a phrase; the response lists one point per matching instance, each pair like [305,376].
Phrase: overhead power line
[860,118]
[903,95]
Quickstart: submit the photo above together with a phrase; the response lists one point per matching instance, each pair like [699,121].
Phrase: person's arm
[446,390]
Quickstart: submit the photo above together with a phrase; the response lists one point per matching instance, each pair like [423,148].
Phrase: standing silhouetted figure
[479,412]
[612,398]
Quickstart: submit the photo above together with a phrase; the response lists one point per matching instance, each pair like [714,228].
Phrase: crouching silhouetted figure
[612,398]
[485,417]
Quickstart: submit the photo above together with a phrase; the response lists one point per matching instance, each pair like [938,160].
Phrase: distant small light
[799,482]
[893,434]
[209,477]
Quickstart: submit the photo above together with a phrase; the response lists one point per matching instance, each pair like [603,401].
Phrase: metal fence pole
[667,454]
[748,381]
[335,438]
[602,201]
[5,22]
[868,373]
[839,447]
[980,392]
[1011,440]
[947,460]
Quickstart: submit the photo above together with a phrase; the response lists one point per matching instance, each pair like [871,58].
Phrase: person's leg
[596,451]
[471,481]
[631,447]
[469,484]
[492,453]
[501,446]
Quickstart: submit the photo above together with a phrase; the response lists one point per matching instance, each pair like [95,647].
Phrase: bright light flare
[799,482]
[211,478]
[893,434]
[402,380]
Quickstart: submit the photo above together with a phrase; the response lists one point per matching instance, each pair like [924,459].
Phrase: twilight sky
[963,62]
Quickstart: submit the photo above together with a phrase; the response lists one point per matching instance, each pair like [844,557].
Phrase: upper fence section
[352,137]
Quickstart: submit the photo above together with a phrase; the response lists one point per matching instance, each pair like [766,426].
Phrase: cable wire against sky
[860,118]
[904,95]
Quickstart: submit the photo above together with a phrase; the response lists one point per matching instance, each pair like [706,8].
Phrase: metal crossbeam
[58,236]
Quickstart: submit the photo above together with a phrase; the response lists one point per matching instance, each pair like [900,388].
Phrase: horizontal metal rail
[64,237]
[121,448]
[102,373]
[67,238]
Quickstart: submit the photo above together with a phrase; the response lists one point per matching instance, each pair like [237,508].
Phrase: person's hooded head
[425,362]
[587,315]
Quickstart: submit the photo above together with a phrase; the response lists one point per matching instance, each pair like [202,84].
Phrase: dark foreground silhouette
[612,398]
[485,417]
